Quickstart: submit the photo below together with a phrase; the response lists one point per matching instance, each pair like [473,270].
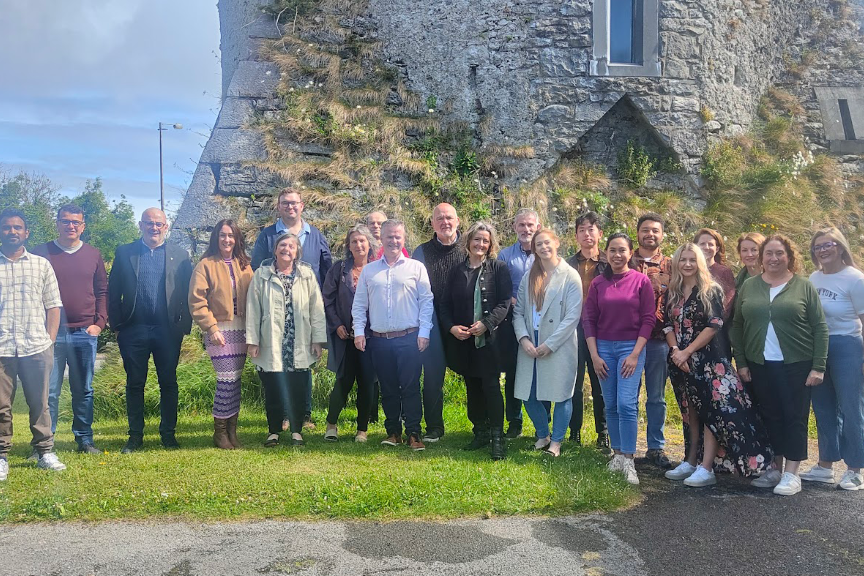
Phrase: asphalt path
[730,528]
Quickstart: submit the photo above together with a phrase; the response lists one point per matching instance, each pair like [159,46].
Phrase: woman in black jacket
[348,363]
[475,304]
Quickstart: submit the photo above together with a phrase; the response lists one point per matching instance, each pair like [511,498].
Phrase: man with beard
[649,260]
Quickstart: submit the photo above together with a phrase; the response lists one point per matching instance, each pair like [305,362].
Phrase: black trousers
[484,402]
[284,393]
[586,364]
[357,366]
[509,349]
[434,368]
[783,401]
[137,343]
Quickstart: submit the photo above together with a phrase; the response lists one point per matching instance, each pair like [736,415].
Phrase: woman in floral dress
[715,408]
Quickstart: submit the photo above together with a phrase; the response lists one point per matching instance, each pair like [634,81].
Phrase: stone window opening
[842,110]
[626,38]
[846,119]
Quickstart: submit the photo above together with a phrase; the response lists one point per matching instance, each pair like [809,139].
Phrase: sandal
[360,437]
[297,441]
[331,434]
[554,451]
[271,441]
[542,443]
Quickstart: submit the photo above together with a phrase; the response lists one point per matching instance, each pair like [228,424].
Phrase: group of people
[621,314]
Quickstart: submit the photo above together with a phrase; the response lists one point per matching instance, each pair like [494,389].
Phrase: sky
[84,84]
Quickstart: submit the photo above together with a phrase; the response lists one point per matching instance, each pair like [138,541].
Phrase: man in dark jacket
[314,250]
[148,309]
[440,255]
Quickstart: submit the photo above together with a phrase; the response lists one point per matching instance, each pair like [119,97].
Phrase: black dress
[714,390]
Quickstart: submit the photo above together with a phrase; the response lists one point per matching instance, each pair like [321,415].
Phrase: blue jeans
[620,394]
[398,364]
[656,372]
[539,411]
[77,349]
[839,403]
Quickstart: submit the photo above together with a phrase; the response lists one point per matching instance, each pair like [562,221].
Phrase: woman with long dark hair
[217,301]
[344,359]
[714,248]
[715,408]
[474,305]
[619,316]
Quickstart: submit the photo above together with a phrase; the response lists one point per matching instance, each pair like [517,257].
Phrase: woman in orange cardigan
[217,300]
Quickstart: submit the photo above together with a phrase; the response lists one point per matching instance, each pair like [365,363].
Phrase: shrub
[635,166]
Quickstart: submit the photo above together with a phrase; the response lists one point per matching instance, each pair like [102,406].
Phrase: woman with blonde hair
[748,253]
[781,343]
[474,305]
[620,314]
[715,407]
[548,308]
[839,402]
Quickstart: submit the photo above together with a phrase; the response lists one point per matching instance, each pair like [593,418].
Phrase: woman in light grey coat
[548,308]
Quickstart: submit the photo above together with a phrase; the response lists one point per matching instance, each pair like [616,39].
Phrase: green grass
[320,480]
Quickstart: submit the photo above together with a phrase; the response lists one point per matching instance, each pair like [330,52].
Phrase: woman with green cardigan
[781,344]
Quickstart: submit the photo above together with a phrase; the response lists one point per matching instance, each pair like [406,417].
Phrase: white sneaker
[49,461]
[818,474]
[701,477]
[769,479]
[682,471]
[852,481]
[629,469]
[789,485]
[616,464]
[4,469]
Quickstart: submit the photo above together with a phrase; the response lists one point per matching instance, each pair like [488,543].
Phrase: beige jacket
[211,299]
[265,316]
[559,318]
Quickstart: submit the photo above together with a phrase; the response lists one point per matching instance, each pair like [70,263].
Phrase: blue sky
[84,83]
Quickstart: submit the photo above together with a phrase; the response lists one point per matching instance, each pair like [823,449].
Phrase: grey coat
[559,318]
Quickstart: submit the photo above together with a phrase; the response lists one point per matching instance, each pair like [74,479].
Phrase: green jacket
[796,314]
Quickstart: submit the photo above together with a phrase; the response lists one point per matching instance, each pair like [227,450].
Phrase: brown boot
[232,432]
[220,434]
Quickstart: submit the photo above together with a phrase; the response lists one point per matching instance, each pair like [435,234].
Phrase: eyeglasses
[825,246]
[290,204]
[75,223]
[157,225]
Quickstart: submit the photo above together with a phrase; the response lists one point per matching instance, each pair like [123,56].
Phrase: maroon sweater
[83,284]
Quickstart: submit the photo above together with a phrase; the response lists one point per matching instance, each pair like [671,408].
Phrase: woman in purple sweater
[618,318]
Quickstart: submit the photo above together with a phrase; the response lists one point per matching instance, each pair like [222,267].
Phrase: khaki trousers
[33,372]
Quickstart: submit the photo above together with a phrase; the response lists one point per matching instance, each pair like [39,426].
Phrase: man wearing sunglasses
[83,283]
[147,307]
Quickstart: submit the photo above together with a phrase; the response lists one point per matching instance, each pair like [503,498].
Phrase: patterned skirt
[228,362]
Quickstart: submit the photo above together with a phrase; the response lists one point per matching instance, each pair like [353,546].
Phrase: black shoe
[514,430]
[603,443]
[88,448]
[576,437]
[481,440]
[169,441]
[433,435]
[499,444]
[134,444]
[658,458]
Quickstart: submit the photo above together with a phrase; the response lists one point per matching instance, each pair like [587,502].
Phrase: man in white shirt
[394,294]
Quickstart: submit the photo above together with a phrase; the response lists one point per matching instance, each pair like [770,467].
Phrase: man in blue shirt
[314,248]
[519,259]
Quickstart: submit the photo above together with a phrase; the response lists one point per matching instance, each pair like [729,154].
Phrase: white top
[28,288]
[69,250]
[535,317]
[842,297]
[772,344]
[396,297]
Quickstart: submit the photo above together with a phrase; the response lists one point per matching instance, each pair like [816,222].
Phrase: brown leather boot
[220,434]
[232,432]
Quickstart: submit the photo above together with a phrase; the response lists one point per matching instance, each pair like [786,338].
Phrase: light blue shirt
[304,231]
[396,297]
[518,262]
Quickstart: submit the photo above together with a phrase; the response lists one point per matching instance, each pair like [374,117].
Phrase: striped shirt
[28,287]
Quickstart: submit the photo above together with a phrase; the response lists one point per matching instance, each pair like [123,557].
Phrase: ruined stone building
[567,78]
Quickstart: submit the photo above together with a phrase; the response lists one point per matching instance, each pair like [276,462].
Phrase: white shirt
[772,344]
[842,297]
[28,287]
[397,297]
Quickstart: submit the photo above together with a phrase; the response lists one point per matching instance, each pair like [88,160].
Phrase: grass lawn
[319,480]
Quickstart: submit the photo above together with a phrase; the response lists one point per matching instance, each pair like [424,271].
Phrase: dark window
[625,31]
[846,118]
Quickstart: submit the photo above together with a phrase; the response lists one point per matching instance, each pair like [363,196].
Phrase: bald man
[440,255]
[148,309]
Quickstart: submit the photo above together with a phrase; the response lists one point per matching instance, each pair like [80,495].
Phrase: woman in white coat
[548,308]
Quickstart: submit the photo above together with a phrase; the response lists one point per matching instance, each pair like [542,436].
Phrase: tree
[108,226]
[36,196]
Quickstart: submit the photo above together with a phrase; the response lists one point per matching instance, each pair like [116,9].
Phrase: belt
[397,334]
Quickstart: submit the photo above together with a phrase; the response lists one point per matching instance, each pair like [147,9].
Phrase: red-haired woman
[217,300]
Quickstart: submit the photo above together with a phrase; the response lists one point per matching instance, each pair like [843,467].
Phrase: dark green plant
[635,166]
[465,162]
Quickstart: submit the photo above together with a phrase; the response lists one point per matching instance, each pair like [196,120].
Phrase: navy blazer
[316,251]
[123,286]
